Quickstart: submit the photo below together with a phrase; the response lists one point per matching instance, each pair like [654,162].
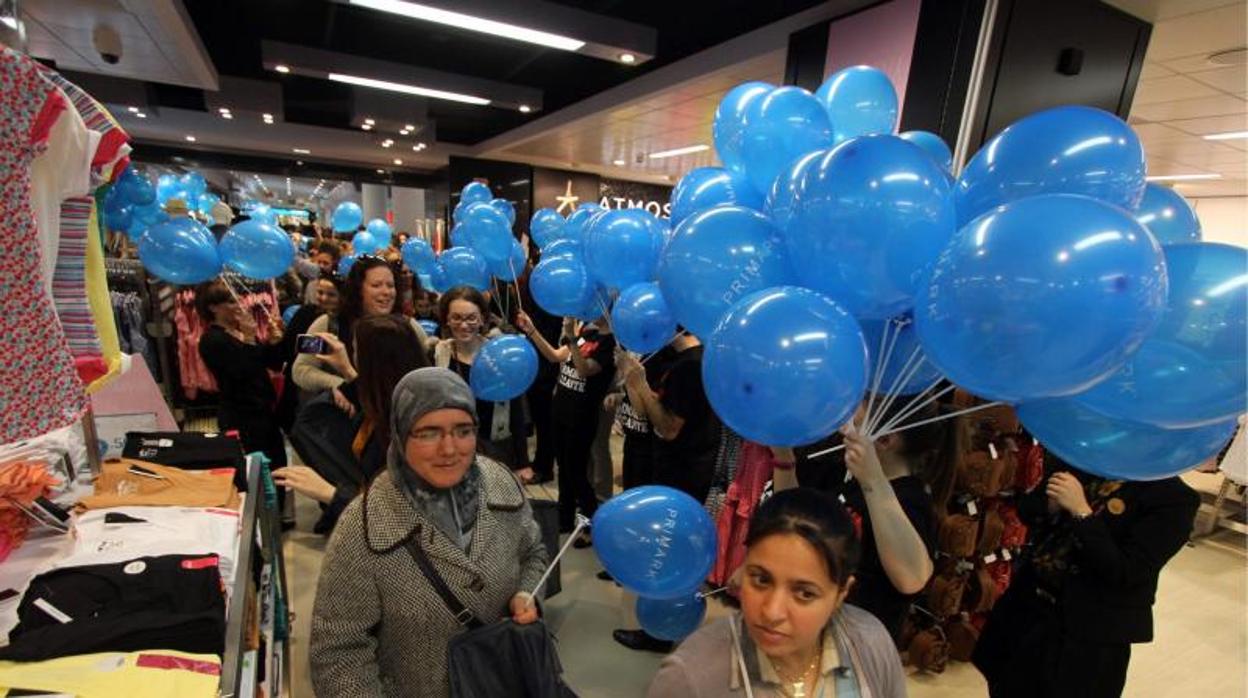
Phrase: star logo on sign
[568,200]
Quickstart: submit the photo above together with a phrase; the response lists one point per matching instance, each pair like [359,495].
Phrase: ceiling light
[366,127]
[386,144]
[1227,136]
[404,132]
[191,138]
[227,115]
[224,110]
[525,109]
[267,116]
[302,151]
[407,89]
[133,110]
[281,68]
[617,163]
[628,58]
[381,171]
[421,145]
[10,22]
[1182,177]
[299,163]
[679,151]
[370,122]
[409,127]
[471,23]
[141,115]
[398,161]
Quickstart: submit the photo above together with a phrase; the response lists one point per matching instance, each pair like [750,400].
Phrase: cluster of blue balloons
[133,204]
[182,251]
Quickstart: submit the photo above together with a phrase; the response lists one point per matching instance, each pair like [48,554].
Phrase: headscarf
[453,510]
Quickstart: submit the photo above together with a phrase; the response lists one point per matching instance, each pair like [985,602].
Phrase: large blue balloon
[546,226]
[504,368]
[263,213]
[1117,448]
[118,211]
[134,187]
[728,129]
[487,231]
[656,541]
[346,217]
[780,127]
[641,319]
[562,286]
[193,184]
[873,215]
[786,367]
[429,326]
[704,187]
[511,268]
[574,228]
[622,247]
[904,347]
[419,256]
[345,264]
[1043,297]
[563,248]
[289,313]
[786,191]
[180,251]
[437,279]
[717,257]
[464,266]
[1167,215]
[671,619]
[206,202]
[380,230]
[168,187]
[506,208]
[931,144]
[365,243]
[860,101]
[1065,150]
[257,250]
[475,192]
[458,213]
[1191,369]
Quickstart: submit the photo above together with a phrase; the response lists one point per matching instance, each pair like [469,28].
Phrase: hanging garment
[743,496]
[39,386]
[194,373]
[101,306]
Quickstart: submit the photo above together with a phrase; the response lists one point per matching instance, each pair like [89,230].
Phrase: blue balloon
[134,187]
[563,248]
[860,101]
[786,367]
[1065,150]
[546,226]
[365,243]
[504,368]
[167,187]
[458,213]
[487,231]
[562,286]
[589,206]
[180,251]
[150,214]
[717,257]
[1190,371]
[623,247]
[655,541]
[904,347]
[574,228]
[193,184]
[206,202]
[263,213]
[728,129]
[464,266]
[289,313]
[780,127]
[475,192]
[506,208]
[1040,298]
[641,319]
[932,144]
[257,250]
[379,229]
[345,264]
[671,619]
[1167,215]
[437,279]
[786,191]
[874,214]
[429,326]
[512,267]
[347,217]
[459,236]
[119,218]
[704,187]
[1117,448]
[419,256]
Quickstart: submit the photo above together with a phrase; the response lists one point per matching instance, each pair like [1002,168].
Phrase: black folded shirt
[189,450]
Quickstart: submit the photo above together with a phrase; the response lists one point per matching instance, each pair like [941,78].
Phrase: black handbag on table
[499,659]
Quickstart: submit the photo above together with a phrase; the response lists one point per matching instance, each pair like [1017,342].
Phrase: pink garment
[753,473]
[194,374]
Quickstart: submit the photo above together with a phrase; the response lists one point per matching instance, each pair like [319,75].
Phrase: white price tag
[990,558]
[971,508]
[992,450]
[1005,555]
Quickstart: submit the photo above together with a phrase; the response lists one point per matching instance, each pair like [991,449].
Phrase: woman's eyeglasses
[464,319]
[432,435]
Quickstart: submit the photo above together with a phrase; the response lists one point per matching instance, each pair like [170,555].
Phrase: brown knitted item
[957,535]
[944,594]
[981,591]
[962,636]
[990,533]
[929,651]
[980,474]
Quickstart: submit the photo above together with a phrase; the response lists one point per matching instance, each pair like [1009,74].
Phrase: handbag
[499,659]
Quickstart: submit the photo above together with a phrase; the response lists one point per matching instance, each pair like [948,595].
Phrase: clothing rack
[130,275]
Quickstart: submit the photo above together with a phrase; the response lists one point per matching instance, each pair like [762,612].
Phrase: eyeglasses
[464,319]
[432,435]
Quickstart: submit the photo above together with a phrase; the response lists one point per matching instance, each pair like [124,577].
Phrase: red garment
[1030,466]
[1015,533]
[194,374]
[23,482]
[753,474]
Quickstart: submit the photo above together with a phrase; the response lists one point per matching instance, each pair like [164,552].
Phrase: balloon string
[606,314]
[225,279]
[908,372]
[912,425]
[881,360]
[712,592]
[655,353]
[582,523]
[515,283]
[916,405]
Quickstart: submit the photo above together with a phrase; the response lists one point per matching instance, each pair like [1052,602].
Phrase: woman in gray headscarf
[378,626]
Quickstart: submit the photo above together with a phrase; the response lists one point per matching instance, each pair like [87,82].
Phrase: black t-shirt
[687,462]
[636,426]
[873,591]
[241,371]
[579,400]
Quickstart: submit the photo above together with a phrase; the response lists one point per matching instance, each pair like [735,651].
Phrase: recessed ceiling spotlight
[386,144]
[370,122]
[267,116]
[281,68]
[409,127]
[421,145]
[190,138]
[366,127]
[299,163]
[140,114]
[618,163]
[381,171]
[628,58]
[525,109]
[302,151]
[227,115]
[224,110]
[398,161]
[133,110]
[404,132]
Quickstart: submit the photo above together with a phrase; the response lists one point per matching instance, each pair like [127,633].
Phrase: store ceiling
[1183,96]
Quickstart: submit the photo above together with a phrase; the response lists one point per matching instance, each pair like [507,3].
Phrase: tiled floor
[1200,649]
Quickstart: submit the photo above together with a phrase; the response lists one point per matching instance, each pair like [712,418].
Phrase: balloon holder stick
[582,523]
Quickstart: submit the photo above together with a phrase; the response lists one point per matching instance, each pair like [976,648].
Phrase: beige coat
[378,628]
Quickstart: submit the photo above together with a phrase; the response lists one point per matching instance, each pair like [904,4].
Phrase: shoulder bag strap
[463,615]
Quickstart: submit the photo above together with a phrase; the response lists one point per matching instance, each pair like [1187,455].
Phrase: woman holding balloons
[795,634]
[464,311]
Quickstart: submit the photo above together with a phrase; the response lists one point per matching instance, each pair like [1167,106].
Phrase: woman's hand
[861,458]
[336,358]
[524,322]
[1066,492]
[523,610]
[612,401]
[276,330]
[627,364]
[342,403]
[305,481]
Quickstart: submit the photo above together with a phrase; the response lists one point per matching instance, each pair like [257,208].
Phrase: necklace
[797,688]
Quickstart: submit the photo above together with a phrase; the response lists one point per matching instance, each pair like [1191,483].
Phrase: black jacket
[1120,551]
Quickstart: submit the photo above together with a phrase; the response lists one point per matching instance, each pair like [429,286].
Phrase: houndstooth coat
[378,627]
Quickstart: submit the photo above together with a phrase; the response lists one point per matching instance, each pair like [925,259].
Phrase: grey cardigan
[706,666]
[378,628]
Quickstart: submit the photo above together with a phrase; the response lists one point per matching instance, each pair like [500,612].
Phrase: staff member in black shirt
[586,370]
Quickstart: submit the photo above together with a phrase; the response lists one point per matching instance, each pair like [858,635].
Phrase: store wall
[408,205]
[563,190]
[374,200]
[621,194]
[882,36]
[1223,219]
